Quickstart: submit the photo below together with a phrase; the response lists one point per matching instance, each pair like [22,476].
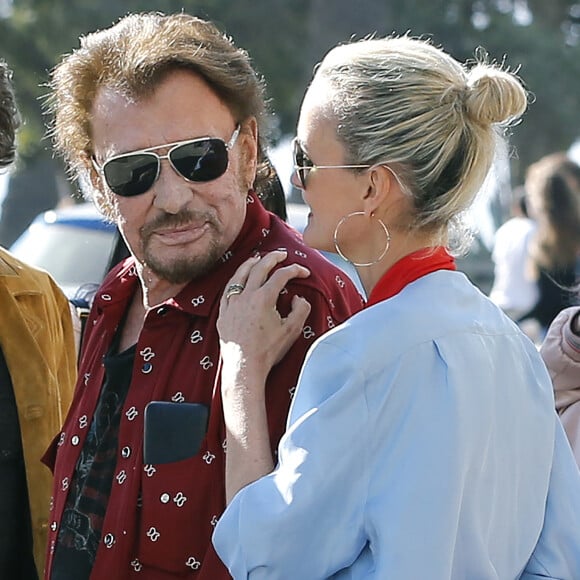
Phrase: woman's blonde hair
[403,102]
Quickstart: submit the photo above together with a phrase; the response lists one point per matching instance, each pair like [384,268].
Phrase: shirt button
[125,452]
[146,368]
[165,497]
[75,440]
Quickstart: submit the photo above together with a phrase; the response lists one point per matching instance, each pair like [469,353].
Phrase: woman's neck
[400,246]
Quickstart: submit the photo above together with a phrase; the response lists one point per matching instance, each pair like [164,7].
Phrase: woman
[561,353]
[553,190]
[514,289]
[422,441]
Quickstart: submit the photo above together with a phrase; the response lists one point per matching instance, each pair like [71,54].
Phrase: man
[37,376]
[164,116]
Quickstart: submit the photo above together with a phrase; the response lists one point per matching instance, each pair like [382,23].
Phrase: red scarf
[408,269]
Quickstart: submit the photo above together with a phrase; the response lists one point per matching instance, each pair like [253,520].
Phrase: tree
[287,37]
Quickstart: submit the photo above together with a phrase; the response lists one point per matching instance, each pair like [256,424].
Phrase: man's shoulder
[284,236]
[325,280]
[118,272]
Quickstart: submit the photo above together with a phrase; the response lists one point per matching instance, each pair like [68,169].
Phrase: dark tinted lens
[131,175]
[302,162]
[201,160]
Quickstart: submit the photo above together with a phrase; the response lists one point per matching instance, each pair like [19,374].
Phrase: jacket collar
[7,268]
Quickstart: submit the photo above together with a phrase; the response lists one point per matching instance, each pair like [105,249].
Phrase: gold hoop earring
[341,253]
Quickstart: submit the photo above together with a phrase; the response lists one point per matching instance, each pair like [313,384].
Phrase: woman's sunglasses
[303,164]
[196,160]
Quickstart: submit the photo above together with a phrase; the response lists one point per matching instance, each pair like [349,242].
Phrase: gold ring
[234,289]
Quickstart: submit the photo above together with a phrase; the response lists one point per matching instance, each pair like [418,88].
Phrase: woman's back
[445,425]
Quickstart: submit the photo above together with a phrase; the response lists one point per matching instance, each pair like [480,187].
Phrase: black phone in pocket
[173,431]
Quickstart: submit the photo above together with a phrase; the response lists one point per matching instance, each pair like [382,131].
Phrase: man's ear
[89,177]
[249,147]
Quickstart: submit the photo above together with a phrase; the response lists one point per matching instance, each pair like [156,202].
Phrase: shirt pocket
[172,524]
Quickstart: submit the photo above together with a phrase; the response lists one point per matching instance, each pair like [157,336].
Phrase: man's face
[177,229]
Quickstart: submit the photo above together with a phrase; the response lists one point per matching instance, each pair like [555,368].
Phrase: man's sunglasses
[196,160]
[303,164]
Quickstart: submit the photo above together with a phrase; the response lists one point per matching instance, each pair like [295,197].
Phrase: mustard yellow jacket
[37,340]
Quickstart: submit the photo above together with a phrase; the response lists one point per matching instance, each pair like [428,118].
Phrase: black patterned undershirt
[84,513]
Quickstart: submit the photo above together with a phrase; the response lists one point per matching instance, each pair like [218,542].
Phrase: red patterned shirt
[160,518]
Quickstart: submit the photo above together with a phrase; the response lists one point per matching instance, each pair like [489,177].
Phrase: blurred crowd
[536,252]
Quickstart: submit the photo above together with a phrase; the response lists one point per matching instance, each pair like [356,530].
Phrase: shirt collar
[408,269]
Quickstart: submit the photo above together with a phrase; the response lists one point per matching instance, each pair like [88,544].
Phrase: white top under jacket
[514,289]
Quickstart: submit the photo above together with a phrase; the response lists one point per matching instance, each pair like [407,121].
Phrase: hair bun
[494,96]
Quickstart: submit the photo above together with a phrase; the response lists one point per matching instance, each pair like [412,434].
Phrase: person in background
[514,290]
[553,188]
[273,197]
[165,117]
[37,376]
[422,441]
[561,353]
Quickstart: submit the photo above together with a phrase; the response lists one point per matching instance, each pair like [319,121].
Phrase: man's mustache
[177,220]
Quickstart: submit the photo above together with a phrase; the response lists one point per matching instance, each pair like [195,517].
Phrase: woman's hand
[250,328]
[253,338]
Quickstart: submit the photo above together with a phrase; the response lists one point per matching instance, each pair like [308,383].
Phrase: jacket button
[109,540]
[53,526]
[165,497]
[146,368]
[125,452]
[75,440]
[33,412]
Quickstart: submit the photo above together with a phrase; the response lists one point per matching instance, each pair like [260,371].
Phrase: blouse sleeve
[557,553]
[287,521]
[327,311]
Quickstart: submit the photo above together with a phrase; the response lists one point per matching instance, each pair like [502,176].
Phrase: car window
[73,256]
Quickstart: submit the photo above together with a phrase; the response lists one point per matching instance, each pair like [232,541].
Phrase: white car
[74,244]
[78,246]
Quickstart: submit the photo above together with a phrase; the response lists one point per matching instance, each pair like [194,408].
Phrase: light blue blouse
[422,444]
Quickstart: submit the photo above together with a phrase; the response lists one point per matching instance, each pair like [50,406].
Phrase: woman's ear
[381,188]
